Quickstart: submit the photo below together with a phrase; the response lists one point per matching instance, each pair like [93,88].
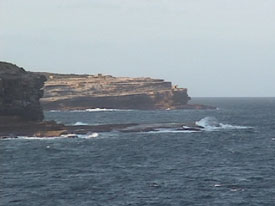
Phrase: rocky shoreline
[48,129]
[21,113]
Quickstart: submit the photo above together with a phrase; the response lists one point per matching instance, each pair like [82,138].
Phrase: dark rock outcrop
[13,126]
[52,129]
[20,92]
[20,110]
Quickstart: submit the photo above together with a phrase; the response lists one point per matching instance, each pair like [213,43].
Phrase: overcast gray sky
[212,47]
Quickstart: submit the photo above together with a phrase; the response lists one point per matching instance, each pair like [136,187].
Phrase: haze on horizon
[214,48]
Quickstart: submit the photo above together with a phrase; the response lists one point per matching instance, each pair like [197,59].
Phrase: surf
[212,124]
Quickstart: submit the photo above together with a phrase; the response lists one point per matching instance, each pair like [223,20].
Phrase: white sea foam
[86,136]
[80,123]
[229,126]
[89,136]
[212,124]
[93,110]
[55,110]
[93,135]
[70,135]
[172,131]
[100,110]
[38,138]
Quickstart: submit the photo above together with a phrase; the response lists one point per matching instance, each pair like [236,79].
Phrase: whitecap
[89,136]
[101,110]
[93,135]
[229,126]
[212,124]
[80,123]
[37,138]
[70,135]
[208,123]
[93,110]
[54,111]
[171,131]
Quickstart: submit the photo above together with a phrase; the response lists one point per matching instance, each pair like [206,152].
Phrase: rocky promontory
[71,92]
[21,113]
[20,92]
[20,109]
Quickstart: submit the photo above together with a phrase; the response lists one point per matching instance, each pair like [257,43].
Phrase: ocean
[230,162]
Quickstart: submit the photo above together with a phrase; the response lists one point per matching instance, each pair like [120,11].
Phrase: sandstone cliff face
[20,92]
[21,112]
[89,91]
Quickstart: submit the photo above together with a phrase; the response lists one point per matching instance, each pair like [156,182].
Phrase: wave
[212,124]
[82,136]
[86,136]
[101,110]
[79,123]
[36,138]
[93,110]
[89,136]
[55,110]
[173,130]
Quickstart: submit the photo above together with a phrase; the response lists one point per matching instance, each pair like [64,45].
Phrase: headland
[72,92]
[21,113]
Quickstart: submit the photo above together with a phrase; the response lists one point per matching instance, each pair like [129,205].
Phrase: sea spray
[212,124]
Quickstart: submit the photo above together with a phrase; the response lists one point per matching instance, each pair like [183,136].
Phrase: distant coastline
[71,92]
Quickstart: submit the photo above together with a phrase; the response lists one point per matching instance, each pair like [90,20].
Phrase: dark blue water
[228,166]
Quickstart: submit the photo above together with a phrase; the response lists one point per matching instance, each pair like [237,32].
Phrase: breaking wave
[101,110]
[171,131]
[79,123]
[212,124]
[89,136]
[93,110]
[68,136]
[55,110]
[35,138]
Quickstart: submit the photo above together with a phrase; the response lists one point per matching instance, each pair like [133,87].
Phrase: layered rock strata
[21,113]
[67,92]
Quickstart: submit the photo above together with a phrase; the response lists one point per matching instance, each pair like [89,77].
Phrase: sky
[215,48]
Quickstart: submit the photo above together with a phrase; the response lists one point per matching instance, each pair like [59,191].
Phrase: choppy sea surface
[230,162]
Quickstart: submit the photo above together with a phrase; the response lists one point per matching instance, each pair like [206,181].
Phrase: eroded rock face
[21,113]
[20,92]
[67,92]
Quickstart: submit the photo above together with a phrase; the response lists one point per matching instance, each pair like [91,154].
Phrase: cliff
[20,92]
[67,92]
[20,110]
[21,113]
